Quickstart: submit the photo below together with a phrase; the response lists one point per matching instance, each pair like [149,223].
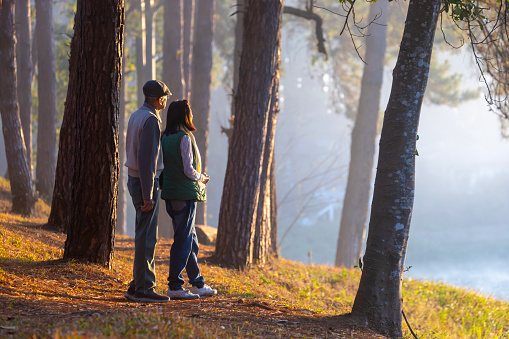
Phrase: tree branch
[309,15]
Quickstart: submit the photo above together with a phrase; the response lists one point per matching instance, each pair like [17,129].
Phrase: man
[144,163]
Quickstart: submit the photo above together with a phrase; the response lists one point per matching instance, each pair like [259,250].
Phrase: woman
[183,185]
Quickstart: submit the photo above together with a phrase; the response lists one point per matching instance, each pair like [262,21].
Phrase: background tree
[24,72]
[23,199]
[141,42]
[187,51]
[201,81]
[259,68]
[378,301]
[172,48]
[47,95]
[91,117]
[358,190]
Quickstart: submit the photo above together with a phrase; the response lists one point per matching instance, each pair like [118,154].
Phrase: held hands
[206,178]
[148,205]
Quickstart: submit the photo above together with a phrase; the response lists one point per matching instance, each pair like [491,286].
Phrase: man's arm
[148,150]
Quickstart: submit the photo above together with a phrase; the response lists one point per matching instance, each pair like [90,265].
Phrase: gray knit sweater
[144,158]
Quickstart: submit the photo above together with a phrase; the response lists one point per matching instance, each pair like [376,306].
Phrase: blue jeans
[184,251]
[145,238]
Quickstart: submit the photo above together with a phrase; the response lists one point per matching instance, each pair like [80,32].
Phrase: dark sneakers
[150,297]
[129,294]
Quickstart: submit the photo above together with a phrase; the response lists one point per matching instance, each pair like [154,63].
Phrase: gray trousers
[144,270]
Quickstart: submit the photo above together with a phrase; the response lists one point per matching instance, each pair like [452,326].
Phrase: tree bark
[188,32]
[378,300]
[172,48]
[91,113]
[47,92]
[352,232]
[23,199]
[24,68]
[258,70]
[201,81]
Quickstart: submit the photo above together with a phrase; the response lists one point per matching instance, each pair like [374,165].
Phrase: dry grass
[43,296]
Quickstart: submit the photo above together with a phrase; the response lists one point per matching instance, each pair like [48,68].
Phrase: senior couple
[167,161]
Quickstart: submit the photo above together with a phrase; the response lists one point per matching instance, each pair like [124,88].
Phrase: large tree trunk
[378,300]
[352,232]
[188,32]
[172,48]
[140,51]
[23,200]
[24,68]
[47,92]
[92,106]
[258,72]
[201,80]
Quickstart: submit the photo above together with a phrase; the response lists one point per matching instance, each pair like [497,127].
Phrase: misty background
[459,232]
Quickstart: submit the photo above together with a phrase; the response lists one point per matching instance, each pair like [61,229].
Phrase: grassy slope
[42,295]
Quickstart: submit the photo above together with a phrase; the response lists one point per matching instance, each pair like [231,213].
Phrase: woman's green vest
[176,185]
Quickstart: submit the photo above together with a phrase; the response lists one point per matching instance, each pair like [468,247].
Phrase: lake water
[470,257]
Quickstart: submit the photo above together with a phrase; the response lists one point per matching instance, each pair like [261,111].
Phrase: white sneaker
[182,294]
[205,291]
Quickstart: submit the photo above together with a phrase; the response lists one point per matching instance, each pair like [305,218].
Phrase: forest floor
[43,296]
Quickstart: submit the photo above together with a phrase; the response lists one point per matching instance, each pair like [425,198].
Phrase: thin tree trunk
[352,231]
[24,68]
[172,48]
[150,66]
[201,81]
[23,199]
[121,227]
[263,247]
[47,93]
[140,51]
[258,70]
[378,301]
[237,50]
[92,106]
[189,9]
[273,206]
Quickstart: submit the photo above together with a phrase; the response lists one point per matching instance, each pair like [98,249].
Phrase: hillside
[44,297]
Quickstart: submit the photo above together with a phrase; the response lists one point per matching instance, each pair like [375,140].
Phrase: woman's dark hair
[179,113]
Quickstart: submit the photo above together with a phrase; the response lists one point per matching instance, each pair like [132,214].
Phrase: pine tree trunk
[201,81]
[378,300]
[24,68]
[172,48]
[93,107]
[47,93]
[140,47]
[352,232]
[188,32]
[23,200]
[258,70]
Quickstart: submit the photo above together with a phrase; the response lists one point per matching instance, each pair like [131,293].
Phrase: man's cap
[156,89]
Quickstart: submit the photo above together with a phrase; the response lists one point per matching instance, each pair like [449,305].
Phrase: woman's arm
[186,151]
